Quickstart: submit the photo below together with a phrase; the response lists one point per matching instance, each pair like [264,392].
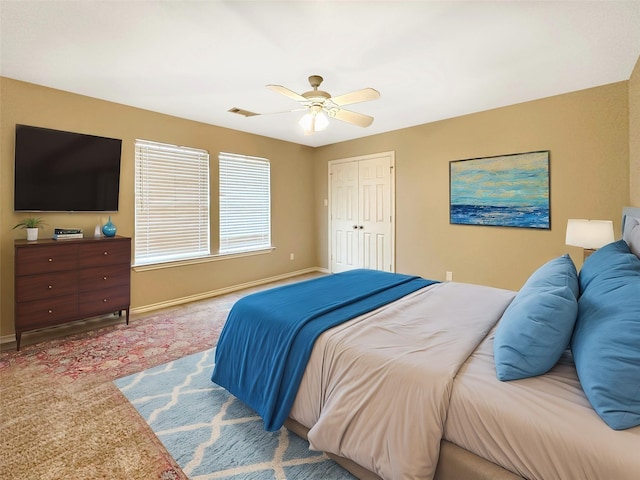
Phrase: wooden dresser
[59,281]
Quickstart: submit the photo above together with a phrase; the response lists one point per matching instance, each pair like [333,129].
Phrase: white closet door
[375,214]
[344,213]
[361,217]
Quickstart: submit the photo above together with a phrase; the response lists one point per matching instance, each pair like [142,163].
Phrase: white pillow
[631,234]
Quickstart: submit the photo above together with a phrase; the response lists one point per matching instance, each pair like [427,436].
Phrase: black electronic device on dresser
[59,282]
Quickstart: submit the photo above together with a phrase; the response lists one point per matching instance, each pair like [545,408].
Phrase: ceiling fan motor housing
[316,95]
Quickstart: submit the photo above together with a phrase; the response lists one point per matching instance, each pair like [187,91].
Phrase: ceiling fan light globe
[322,122]
[306,122]
[314,121]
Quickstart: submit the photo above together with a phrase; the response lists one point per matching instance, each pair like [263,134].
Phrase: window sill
[193,261]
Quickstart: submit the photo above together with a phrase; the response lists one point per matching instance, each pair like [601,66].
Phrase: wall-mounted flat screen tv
[57,171]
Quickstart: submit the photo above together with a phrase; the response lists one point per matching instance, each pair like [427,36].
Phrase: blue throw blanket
[268,337]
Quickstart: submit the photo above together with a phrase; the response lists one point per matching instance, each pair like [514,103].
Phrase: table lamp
[589,234]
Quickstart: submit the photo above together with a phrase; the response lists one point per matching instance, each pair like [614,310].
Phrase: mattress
[541,427]
[376,388]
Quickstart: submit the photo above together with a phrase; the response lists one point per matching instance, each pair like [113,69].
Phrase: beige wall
[588,137]
[634,136]
[589,133]
[292,191]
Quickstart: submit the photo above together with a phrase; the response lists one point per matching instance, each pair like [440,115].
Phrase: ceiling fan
[320,106]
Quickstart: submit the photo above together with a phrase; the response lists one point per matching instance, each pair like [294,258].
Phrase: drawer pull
[50,311]
[51,259]
[50,287]
[104,278]
[105,300]
[106,253]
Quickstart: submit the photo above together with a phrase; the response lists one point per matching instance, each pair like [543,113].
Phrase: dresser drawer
[46,313]
[47,285]
[105,301]
[36,259]
[100,278]
[105,252]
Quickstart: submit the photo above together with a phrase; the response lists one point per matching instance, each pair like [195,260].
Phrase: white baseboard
[203,296]
[8,338]
[223,291]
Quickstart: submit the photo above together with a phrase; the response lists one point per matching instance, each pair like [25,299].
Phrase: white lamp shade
[589,234]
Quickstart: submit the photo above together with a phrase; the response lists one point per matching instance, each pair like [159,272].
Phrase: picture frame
[506,191]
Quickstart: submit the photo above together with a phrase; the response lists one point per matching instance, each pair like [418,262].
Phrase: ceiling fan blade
[286,92]
[247,113]
[358,96]
[352,117]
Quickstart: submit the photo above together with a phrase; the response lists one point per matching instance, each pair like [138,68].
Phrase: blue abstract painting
[506,191]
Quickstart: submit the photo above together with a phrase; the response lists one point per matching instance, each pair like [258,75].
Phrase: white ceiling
[429,60]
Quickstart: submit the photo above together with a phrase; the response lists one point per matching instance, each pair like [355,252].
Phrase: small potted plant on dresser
[32,224]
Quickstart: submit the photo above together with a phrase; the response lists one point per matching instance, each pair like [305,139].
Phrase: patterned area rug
[61,416]
[211,434]
[120,349]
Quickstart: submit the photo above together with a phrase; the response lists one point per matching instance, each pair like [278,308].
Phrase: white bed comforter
[541,427]
[377,388]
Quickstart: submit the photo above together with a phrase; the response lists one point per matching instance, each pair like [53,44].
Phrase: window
[172,203]
[245,203]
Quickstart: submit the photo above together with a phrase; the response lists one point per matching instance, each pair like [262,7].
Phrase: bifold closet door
[344,216]
[361,217]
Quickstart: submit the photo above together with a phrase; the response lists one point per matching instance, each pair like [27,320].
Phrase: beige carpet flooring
[61,417]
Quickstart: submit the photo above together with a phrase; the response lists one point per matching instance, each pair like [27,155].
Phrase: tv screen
[58,171]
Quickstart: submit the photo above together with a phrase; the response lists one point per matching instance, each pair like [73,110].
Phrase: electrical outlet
[291,256]
[449,277]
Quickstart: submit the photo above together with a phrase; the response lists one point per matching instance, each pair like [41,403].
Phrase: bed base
[455,463]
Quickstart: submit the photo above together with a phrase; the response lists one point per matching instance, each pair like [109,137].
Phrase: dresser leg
[127,316]
[18,337]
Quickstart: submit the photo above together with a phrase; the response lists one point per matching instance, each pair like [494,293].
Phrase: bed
[452,380]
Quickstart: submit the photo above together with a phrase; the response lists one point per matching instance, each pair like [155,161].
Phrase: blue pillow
[606,339]
[536,327]
[612,264]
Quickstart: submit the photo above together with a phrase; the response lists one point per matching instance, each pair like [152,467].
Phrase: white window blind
[245,203]
[172,203]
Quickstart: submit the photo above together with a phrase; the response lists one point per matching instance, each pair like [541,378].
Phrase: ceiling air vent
[240,111]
